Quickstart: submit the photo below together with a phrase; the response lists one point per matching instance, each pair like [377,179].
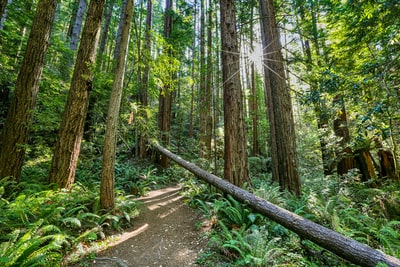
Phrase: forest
[296,102]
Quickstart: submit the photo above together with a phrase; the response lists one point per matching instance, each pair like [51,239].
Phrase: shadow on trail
[163,235]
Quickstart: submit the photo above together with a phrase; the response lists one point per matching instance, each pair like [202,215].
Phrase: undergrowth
[41,225]
[240,237]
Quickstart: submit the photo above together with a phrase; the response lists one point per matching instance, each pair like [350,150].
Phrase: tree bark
[76,30]
[144,95]
[205,88]
[282,136]
[342,246]
[345,158]
[15,133]
[104,35]
[66,153]
[236,169]
[165,98]
[107,199]
[119,32]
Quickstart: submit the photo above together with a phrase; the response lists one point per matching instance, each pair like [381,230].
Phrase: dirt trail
[163,235]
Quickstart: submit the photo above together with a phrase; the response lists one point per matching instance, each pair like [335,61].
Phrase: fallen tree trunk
[342,246]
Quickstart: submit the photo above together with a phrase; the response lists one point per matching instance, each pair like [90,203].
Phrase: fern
[72,222]
[389,235]
[34,248]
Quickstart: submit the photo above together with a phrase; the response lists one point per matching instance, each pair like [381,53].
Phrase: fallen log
[339,244]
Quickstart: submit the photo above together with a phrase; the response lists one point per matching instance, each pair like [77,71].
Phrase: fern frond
[72,222]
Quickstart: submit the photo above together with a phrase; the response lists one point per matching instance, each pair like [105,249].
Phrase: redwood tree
[236,168]
[282,136]
[165,99]
[16,128]
[66,153]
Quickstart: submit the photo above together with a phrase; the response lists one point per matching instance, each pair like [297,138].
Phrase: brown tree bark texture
[16,129]
[283,144]
[165,98]
[235,148]
[65,159]
[342,246]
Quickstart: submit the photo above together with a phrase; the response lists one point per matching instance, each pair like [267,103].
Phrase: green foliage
[346,206]
[45,224]
[40,245]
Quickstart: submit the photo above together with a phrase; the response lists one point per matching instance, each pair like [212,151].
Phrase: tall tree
[283,143]
[236,168]
[66,153]
[76,29]
[314,60]
[205,100]
[106,27]
[165,98]
[145,78]
[14,136]
[119,32]
[107,200]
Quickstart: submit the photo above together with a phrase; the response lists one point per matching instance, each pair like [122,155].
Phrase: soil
[164,235]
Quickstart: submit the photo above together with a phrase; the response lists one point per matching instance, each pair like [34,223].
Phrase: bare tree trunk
[236,169]
[192,88]
[165,98]
[15,134]
[65,158]
[76,32]
[145,79]
[283,143]
[345,159]
[119,32]
[104,34]
[107,200]
[205,88]
[253,98]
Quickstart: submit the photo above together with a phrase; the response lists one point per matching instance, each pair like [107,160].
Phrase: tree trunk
[145,79]
[283,143]
[205,89]
[14,136]
[209,80]
[65,158]
[104,35]
[3,4]
[253,98]
[364,162]
[76,31]
[165,98]
[107,200]
[3,12]
[386,164]
[119,32]
[236,168]
[192,71]
[342,246]
[345,158]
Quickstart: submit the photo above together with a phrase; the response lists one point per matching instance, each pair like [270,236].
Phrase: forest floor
[163,235]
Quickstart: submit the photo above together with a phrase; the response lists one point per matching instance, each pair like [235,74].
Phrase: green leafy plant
[40,245]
